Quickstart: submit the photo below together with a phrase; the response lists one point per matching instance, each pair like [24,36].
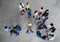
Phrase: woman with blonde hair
[29,24]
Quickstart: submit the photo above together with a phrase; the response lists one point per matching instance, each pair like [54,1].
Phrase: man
[29,12]
[17,28]
[14,33]
[46,13]
[50,25]
[37,21]
[44,18]
[52,29]
[35,14]
[51,37]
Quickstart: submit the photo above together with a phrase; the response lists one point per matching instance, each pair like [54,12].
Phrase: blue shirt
[29,12]
[18,28]
[14,34]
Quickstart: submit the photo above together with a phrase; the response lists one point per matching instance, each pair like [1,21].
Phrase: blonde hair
[28,22]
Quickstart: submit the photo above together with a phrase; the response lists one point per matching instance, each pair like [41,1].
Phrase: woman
[35,14]
[29,24]
[21,7]
[41,10]
[14,33]
[27,6]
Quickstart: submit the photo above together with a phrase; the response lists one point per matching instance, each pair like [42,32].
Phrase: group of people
[26,8]
[14,31]
[44,31]
[23,9]
[40,16]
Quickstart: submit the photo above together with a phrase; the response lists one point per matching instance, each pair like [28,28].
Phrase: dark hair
[35,11]
[51,24]
[14,27]
[20,3]
[5,27]
[27,3]
[41,7]
[47,10]
[13,31]
[28,8]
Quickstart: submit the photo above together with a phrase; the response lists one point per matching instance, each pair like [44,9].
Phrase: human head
[14,27]
[20,3]
[51,24]
[27,3]
[28,8]
[41,7]
[5,27]
[35,11]
[47,10]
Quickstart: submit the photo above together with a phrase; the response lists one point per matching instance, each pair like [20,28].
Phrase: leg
[27,31]
[31,31]
[26,9]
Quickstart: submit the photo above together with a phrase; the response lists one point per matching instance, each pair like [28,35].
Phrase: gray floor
[9,15]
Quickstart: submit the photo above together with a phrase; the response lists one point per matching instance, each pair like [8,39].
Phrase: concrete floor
[9,15]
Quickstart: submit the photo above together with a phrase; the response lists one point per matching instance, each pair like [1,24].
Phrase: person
[52,29]
[50,25]
[44,26]
[29,12]
[17,27]
[46,13]
[38,34]
[37,21]
[29,24]
[8,28]
[21,7]
[51,37]
[44,18]
[45,37]
[22,12]
[40,10]
[14,33]
[27,6]
[40,26]
[35,14]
